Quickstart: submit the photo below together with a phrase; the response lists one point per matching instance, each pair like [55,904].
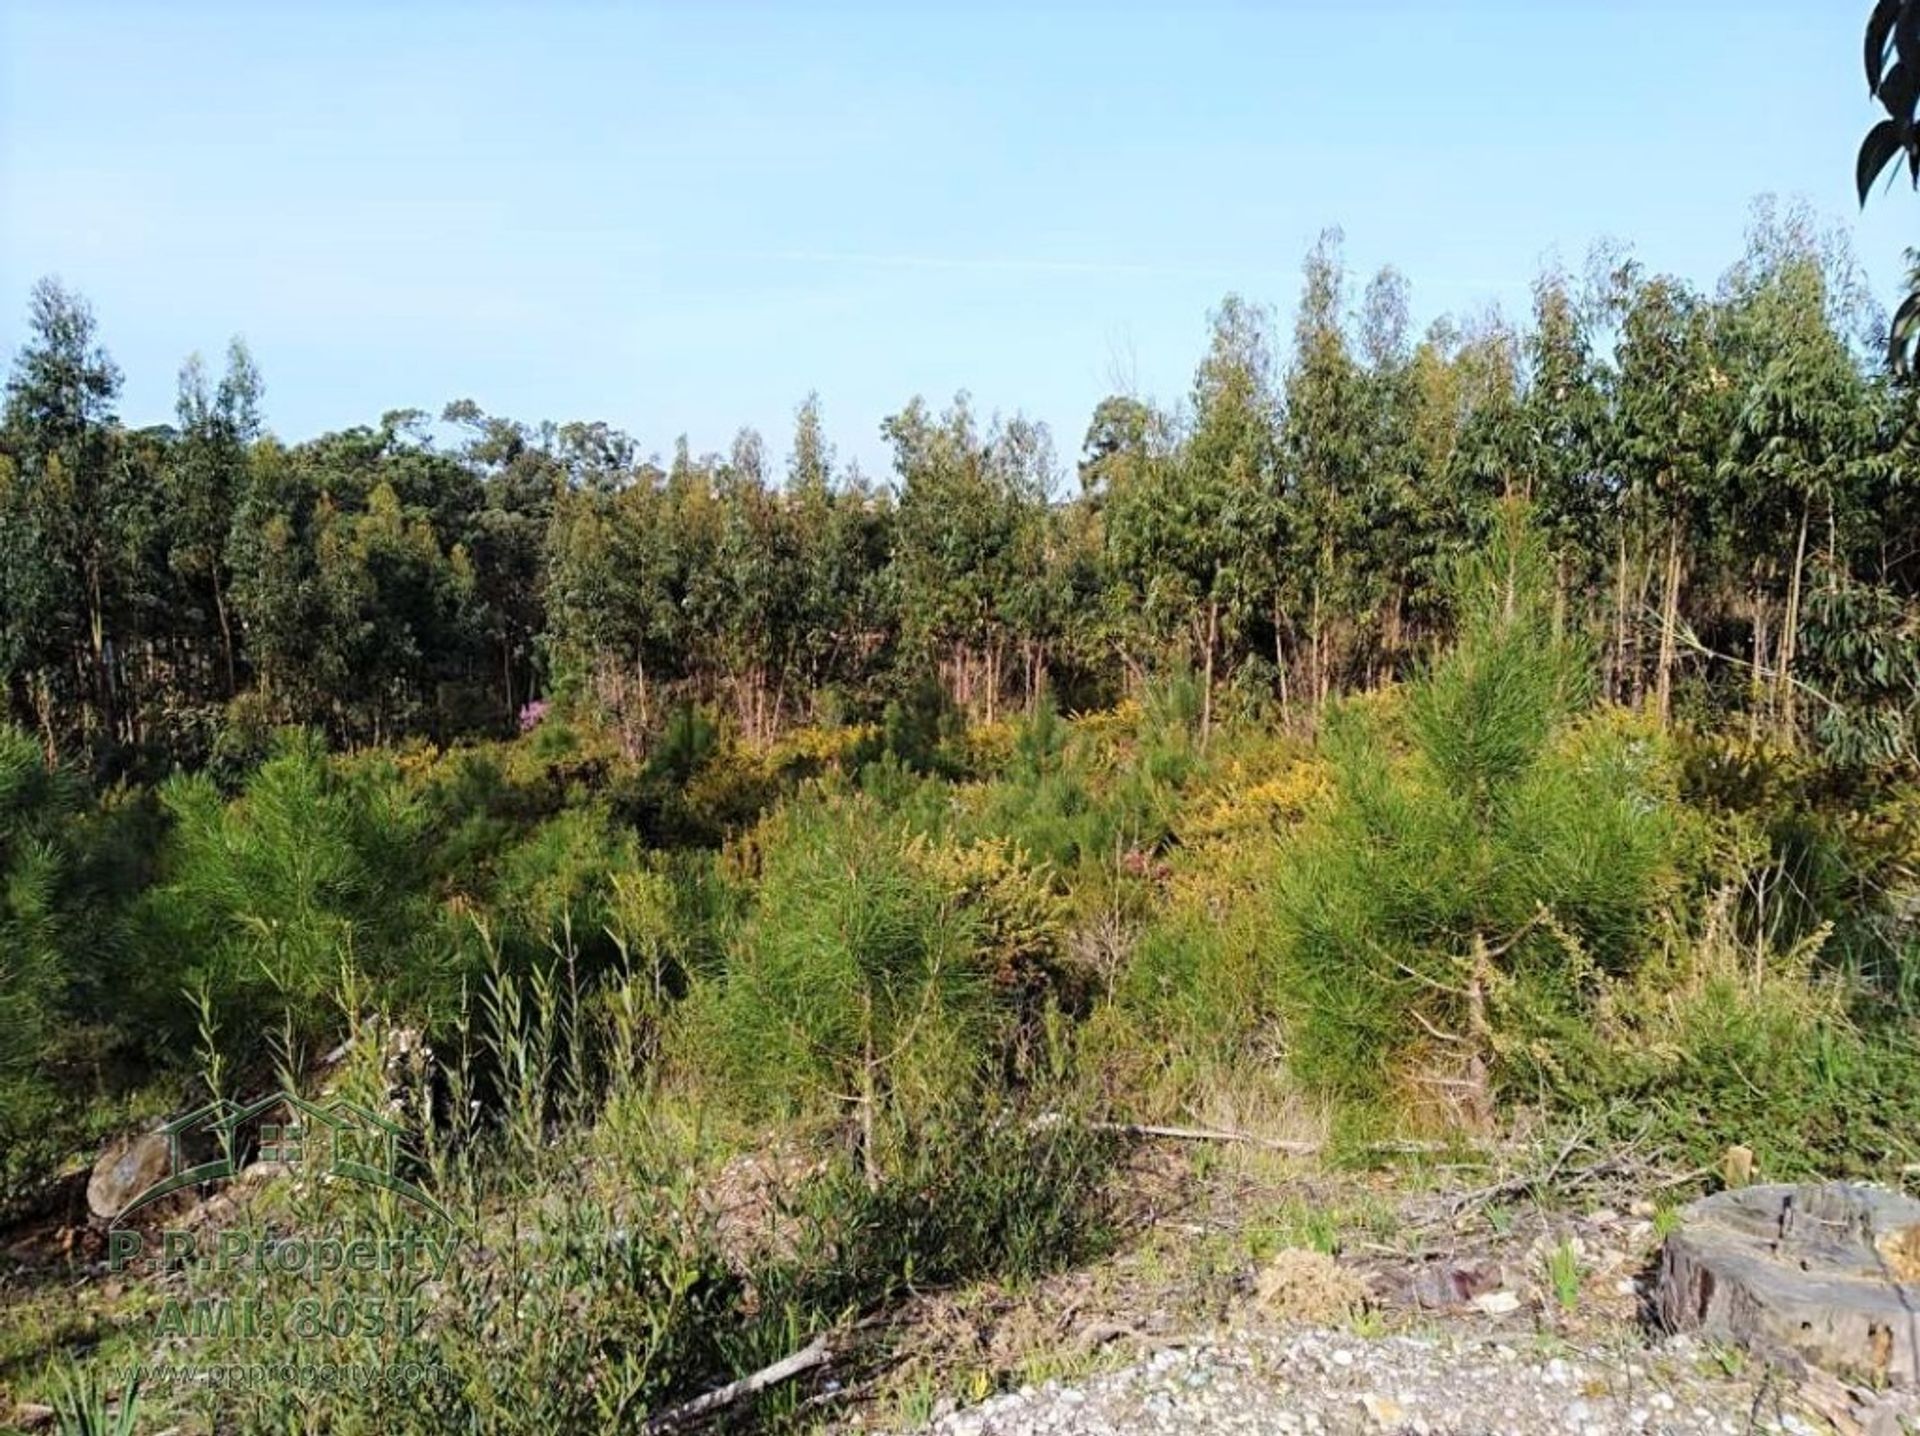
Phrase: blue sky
[683,217]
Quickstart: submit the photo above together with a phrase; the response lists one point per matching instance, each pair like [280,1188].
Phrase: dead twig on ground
[815,1353]
[1207,1134]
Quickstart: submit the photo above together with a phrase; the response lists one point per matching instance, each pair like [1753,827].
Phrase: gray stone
[125,1168]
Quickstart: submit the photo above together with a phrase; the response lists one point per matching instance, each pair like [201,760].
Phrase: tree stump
[1829,1274]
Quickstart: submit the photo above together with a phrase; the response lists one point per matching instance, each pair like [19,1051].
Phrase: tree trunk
[97,631]
[506,672]
[226,633]
[1620,620]
[1669,626]
[1790,630]
[1280,663]
[1480,1036]
[1642,577]
[1318,678]
[1206,697]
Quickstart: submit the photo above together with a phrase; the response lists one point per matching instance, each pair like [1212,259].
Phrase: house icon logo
[338,1138]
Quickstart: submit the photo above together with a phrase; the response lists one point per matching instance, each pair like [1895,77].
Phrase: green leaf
[1906,319]
[1881,144]
[1906,36]
[1899,91]
[1879,31]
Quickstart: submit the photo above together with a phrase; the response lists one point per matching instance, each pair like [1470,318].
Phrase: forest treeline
[1726,482]
[1403,741]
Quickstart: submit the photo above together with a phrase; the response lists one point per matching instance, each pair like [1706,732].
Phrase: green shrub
[854,982]
[552,891]
[263,902]
[984,1190]
[1192,1010]
[1812,844]
[1721,1041]
[69,869]
[1470,850]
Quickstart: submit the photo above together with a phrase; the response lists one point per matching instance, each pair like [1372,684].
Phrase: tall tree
[1325,445]
[73,516]
[217,429]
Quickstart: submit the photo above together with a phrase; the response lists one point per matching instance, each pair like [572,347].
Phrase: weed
[82,1407]
[1565,1275]
[1368,1323]
[916,1403]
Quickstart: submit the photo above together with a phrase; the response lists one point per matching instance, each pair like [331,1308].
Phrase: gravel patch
[1335,1381]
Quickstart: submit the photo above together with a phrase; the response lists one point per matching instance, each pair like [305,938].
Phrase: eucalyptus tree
[522,471]
[72,520]
[962,556]
[1802,435]
[842,535]
[1229,512]
[355,593]
[1192,527]
[218,426]
[1325,449]
[1564,420]
[1893,78]
[1124,471]
[759,572]
[1674,414]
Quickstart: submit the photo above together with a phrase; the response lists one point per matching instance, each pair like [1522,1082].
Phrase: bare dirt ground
[1260,1295]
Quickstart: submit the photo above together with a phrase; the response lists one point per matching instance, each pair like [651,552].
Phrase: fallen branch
[1680,1179]
[814,1354]
[1469,1201]
[1206,1134]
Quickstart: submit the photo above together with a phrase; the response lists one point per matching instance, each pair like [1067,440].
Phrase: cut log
[1823,1274]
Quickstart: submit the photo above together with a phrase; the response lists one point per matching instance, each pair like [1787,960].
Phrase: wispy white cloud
[995,264]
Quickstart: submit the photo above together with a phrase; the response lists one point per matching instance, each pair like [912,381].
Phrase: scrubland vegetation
[1515,726]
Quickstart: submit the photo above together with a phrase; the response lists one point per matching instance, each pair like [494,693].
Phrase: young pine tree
[1490,843]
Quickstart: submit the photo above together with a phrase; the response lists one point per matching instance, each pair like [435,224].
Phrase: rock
[125,1168]
[1497,1303]
[1799,1271]
[1385,1411]
[1438,1285]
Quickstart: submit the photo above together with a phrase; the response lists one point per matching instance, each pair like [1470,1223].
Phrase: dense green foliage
[1893,78]
[1489,845]
[1716,475]
[1398,735]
